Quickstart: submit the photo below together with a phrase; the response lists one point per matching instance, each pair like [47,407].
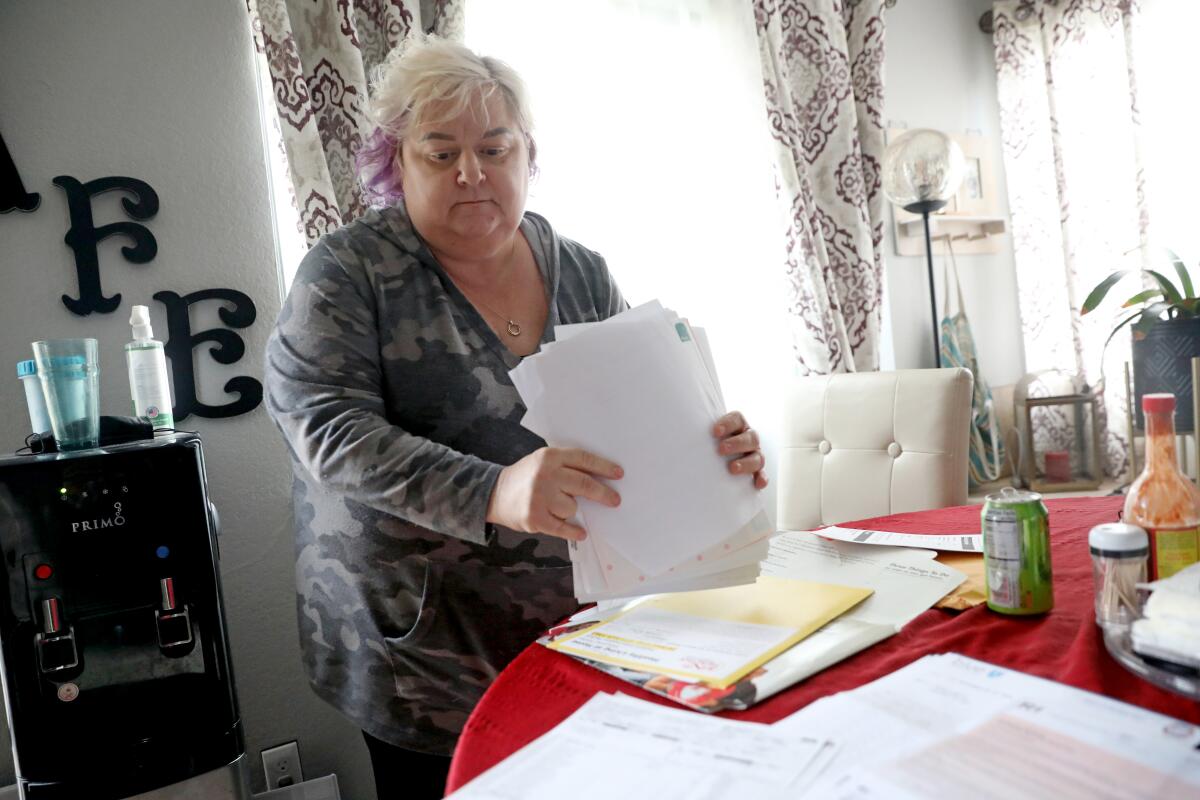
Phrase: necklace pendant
[513,328]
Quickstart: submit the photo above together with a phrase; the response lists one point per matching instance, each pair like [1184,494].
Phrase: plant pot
[1162,362]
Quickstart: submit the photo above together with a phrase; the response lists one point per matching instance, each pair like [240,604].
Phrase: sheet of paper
[1013,755]
[943,696]
[618,747]
[826,646]
[645,410]
[748,545]
[716,636]
[702,341]
[601,574]
[961,542]
[905,581]
[528,382]
[737,576]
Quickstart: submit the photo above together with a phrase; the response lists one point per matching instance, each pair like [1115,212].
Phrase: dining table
[542,687]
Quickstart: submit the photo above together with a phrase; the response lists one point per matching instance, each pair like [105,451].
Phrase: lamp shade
[922,166]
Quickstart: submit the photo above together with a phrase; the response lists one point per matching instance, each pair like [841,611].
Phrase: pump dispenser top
[140,320]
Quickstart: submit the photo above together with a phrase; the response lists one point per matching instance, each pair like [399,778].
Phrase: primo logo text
[115,521]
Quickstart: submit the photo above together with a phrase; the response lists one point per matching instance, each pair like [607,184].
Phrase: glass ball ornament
[922,166]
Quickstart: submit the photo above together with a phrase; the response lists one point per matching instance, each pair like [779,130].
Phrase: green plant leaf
[1118,327]
[1184,278]
[1168,288]
[1097,295]
[1141,297]
[1150,317]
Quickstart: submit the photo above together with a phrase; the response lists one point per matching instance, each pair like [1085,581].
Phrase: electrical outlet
[282,765]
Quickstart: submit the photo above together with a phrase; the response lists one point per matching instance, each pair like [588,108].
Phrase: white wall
[939,72]
[164,91]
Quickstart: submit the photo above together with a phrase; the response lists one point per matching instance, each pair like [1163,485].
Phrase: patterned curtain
[822,66]
[320,54]
[1069,120]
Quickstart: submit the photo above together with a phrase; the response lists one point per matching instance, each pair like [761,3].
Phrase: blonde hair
[430,79]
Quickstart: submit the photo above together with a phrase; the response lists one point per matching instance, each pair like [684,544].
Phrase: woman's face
[465,180]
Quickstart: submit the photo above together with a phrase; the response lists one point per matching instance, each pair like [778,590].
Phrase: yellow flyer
[716,636]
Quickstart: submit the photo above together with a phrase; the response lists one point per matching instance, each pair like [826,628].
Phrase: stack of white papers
[951,726]
[640,389]
[617,747]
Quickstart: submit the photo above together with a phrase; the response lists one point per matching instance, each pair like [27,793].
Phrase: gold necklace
[513,327]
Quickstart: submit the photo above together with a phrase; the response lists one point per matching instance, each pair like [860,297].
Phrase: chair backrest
[869,444]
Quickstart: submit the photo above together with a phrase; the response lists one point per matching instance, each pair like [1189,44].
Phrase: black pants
[406,774]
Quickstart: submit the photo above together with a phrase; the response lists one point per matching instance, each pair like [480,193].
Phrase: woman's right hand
[538,493]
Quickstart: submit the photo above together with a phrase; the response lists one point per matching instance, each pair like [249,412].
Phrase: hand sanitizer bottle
[148,372]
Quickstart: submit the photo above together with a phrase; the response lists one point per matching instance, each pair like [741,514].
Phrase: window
[1169,121]
[653,150]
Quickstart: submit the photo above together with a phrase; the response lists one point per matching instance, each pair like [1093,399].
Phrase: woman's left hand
[738,439]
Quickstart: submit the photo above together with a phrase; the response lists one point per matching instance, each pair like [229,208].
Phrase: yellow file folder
[801,607]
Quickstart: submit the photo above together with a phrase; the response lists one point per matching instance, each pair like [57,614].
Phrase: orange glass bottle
[1162,500]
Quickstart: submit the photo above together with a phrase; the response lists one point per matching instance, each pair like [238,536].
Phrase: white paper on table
[906,581]
[677,496]
[1013,754]
[957,542]
[941,696]
[619,747]
[824,647]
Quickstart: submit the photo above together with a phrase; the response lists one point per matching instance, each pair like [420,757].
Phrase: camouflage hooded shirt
[394,398]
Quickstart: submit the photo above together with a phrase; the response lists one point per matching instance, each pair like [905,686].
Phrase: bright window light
[653,150]
[1169,121]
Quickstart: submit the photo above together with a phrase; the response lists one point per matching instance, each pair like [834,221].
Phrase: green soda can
[1016,553]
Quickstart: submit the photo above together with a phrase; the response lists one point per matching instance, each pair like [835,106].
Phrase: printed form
[951,726]
[618,748]
[906,581]
[958,542]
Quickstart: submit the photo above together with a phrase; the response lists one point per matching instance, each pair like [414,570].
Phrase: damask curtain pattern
[822,64]
[1070,128]
[320,54]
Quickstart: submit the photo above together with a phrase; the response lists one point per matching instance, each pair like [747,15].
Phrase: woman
[430,524]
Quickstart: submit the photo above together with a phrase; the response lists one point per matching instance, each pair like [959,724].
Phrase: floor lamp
[922,169]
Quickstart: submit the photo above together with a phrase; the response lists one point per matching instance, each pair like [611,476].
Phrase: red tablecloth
[541,687]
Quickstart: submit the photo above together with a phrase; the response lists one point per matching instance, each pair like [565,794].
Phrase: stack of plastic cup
[69,370]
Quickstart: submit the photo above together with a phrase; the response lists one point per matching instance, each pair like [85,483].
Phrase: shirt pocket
[482,617]
[427,610]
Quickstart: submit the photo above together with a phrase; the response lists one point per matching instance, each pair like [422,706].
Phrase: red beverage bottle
[1163,500]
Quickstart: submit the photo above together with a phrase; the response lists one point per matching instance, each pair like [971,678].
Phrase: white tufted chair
[869,444]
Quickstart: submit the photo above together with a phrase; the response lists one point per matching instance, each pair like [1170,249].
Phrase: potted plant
[1165,320]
